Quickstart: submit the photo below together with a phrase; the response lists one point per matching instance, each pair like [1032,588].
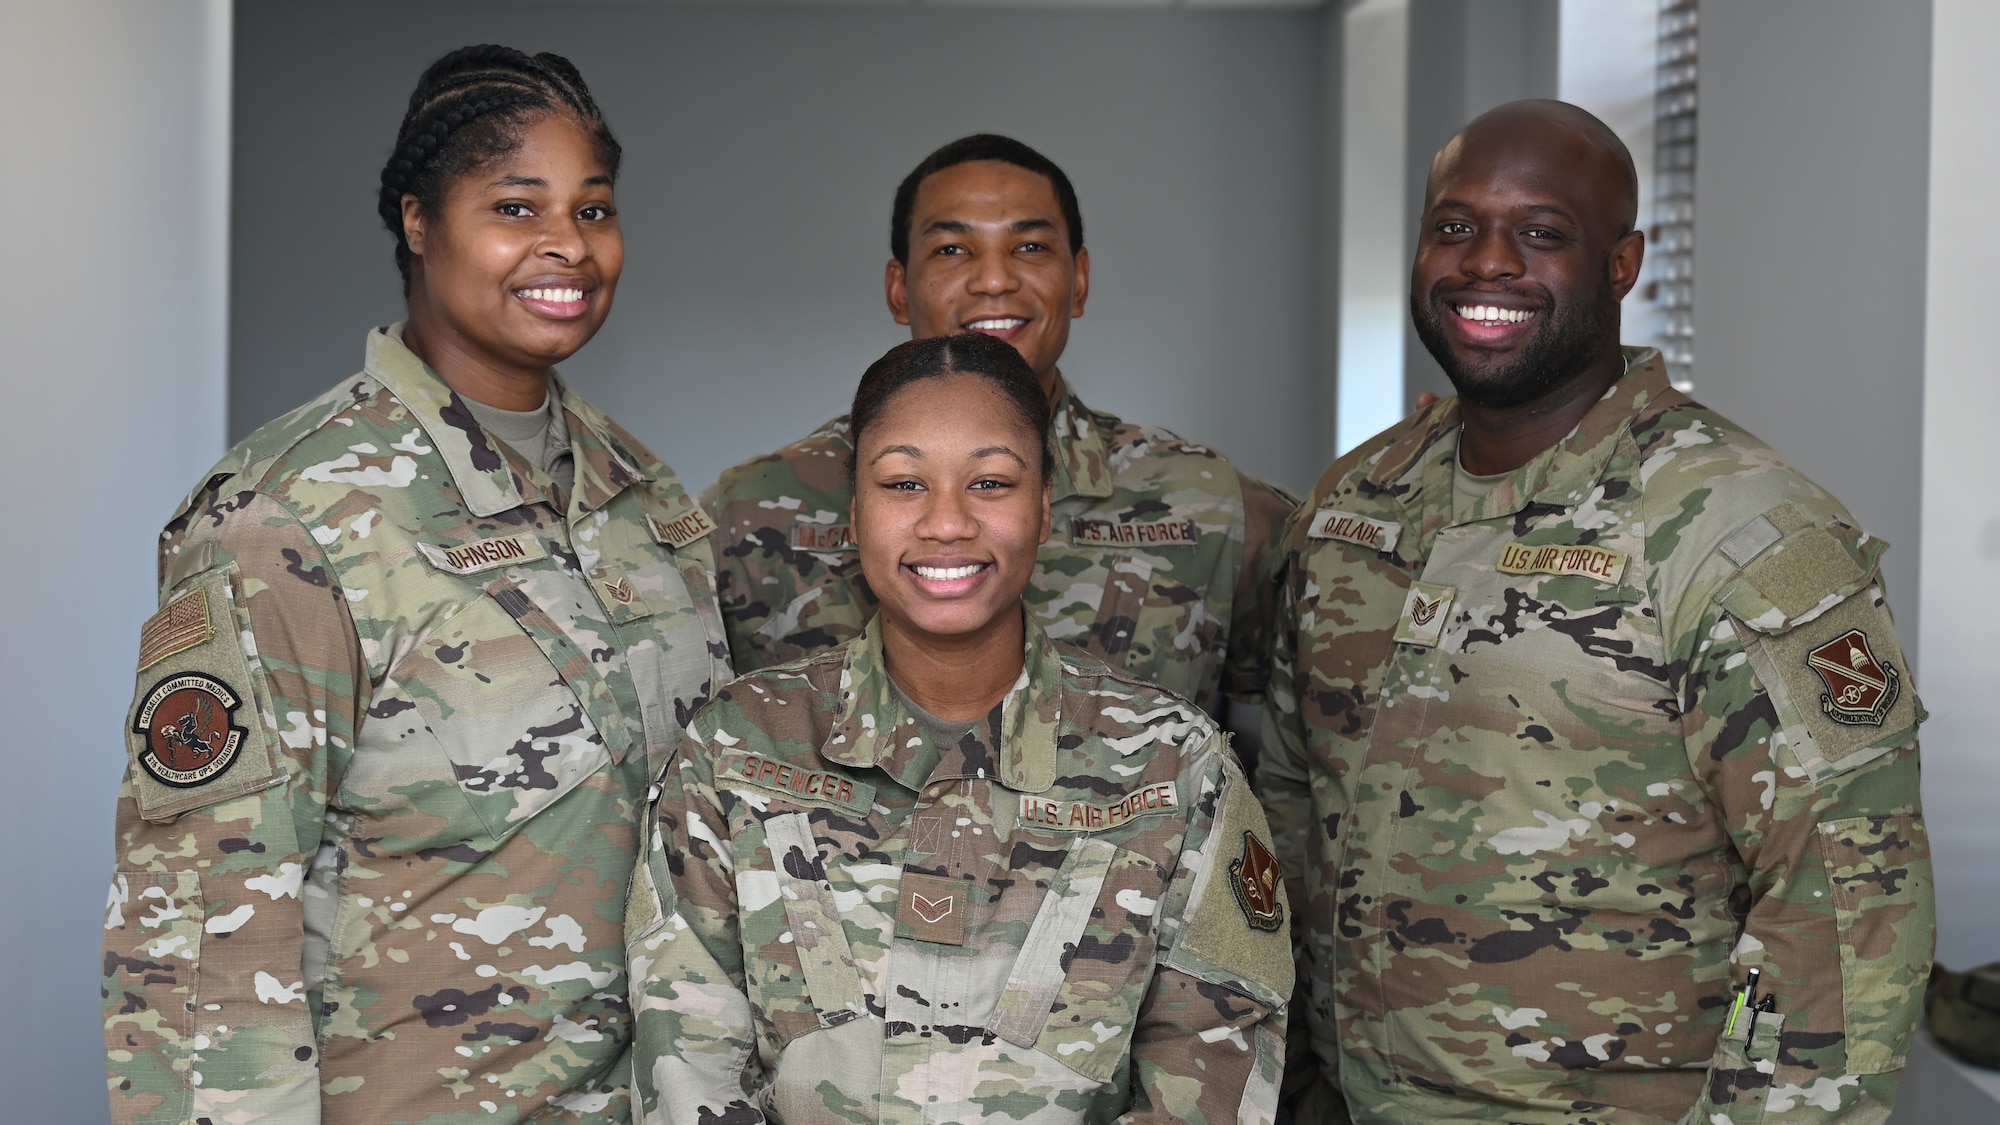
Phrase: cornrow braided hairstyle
[469,109]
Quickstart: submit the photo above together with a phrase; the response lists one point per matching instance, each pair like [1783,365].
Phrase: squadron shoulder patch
[188,723]
[1254,876]
[1859,688]
[822,537]
[1376,535]
[182,625]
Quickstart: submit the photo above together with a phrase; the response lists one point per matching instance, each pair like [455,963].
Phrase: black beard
[1569,340]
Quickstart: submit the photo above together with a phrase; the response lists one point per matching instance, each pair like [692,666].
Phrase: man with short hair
[1588,728]
[1156,542]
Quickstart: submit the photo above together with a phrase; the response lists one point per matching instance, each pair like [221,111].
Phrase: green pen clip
[1745,995]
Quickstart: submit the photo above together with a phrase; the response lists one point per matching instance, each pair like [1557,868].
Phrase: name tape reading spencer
[822,537]
[485,554]
[782,777]
[1085,816]
[1120,533]
[1376,535]
[1601,563]
[681,530]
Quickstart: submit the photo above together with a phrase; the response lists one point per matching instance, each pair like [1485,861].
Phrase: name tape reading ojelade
[1376,535]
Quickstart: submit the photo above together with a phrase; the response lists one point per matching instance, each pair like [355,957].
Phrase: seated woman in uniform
[952,870]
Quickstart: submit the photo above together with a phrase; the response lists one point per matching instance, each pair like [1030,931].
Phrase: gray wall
[762,147]
[1466,56]
[1810,195]
[114,202]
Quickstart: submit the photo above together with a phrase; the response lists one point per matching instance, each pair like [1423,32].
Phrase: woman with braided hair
[421,643]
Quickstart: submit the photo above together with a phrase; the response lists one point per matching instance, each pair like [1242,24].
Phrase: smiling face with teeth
[1525,250]
[989,253]
[516,269]
[950,507]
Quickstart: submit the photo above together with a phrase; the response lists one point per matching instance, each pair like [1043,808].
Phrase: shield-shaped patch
[1860,689]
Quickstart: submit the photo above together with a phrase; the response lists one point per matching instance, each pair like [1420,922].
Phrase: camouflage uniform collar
[1422,459]
[1083,459]
[485,476]
[873,728]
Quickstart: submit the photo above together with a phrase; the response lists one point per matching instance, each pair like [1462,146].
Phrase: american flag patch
[182,625]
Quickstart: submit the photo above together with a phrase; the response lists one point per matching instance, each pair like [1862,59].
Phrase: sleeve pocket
[1816,629]
[1879,872]
[152,955]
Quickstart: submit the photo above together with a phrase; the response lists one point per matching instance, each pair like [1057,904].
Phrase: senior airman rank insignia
[1859,688]
[1254,877]
[932,908]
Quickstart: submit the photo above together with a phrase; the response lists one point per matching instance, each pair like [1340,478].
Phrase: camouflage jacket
[1560,773]
[1068,916]
[389,748]
[1151,563]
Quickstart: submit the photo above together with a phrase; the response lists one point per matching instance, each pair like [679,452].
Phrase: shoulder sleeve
[1265,510]
[784,597]
[250,686]
[694,1039]
[1209,1043]
[1801,725]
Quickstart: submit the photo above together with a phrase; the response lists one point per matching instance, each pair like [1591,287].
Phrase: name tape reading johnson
[484,554]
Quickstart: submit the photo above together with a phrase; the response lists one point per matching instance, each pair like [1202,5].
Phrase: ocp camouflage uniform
[389,747]
[1561,772]
[1151,563]
[1069,915]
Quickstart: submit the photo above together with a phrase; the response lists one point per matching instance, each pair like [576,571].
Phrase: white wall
[763,145]
[1961,511]
[114,125]
[1375,219]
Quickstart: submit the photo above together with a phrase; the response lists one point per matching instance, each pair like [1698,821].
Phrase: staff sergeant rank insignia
[1859,688]
[1254,877]
[188,721]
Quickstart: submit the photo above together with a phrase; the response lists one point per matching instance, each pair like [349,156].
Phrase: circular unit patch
[191,737]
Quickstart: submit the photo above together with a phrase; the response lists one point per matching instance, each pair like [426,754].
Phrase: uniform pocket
[798,966]
[1077,984]
[1151,618]
[150,970]
[1879,870]
[515,733]
[1740,1077]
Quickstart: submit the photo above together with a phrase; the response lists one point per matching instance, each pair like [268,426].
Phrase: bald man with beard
[1589,733]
